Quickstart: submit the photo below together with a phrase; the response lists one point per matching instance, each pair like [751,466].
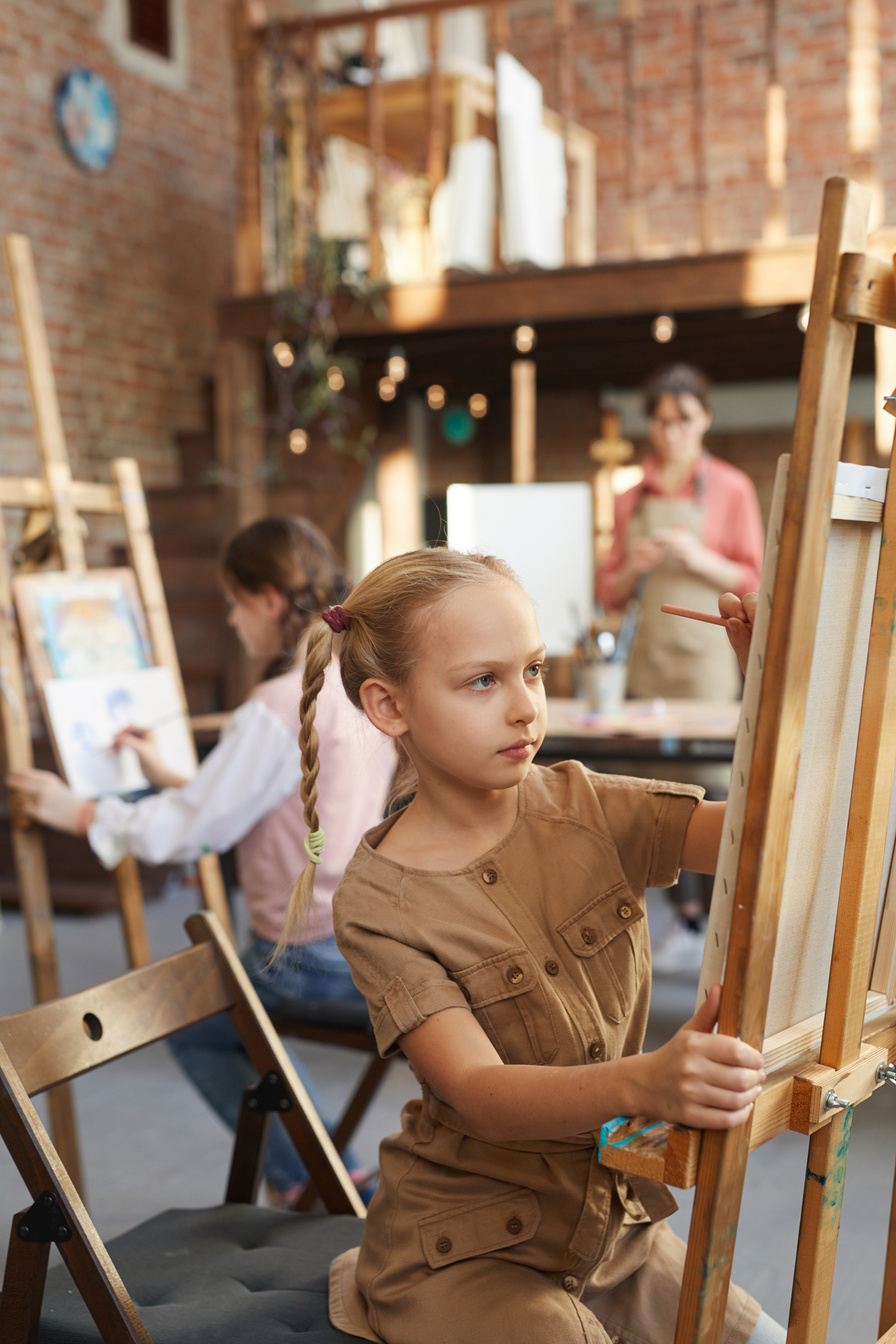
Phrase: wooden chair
[234,1274]
[346,1025]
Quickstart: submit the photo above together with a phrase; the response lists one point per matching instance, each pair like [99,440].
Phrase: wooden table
[645,730]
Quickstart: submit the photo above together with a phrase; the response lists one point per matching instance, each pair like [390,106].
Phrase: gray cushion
[236,1274]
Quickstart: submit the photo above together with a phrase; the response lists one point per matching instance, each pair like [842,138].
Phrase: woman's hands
[699,1078]
[740,615]
[44,797]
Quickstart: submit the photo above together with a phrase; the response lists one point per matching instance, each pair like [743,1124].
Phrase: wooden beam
[522,421]
[44,398]
[347,18]
[756,277]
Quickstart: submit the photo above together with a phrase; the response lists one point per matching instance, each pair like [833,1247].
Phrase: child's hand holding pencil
[737,616]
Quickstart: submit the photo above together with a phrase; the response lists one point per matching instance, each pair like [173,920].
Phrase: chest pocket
[601,935]
[509,1001]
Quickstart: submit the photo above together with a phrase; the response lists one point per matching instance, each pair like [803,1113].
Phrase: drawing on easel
[82,625]
[85,713]
[89,653]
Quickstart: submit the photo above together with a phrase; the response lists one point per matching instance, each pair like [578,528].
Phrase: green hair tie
[314,845]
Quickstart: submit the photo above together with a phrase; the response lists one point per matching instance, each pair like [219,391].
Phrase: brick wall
[812,53]
[129,261]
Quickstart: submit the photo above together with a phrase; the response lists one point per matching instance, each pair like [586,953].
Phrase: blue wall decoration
[86,119]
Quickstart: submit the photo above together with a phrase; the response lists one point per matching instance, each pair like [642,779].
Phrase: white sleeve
[254,767]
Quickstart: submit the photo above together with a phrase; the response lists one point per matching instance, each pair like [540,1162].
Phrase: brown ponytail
[318,654]
[387,611]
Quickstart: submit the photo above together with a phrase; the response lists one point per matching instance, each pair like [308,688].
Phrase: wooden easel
[849,1056]
[64,500]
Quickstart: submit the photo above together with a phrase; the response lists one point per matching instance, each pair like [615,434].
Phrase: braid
[317,659]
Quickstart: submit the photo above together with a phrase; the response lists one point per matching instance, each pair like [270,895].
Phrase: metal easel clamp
[886,1073]
[817,1089]
[834,1103]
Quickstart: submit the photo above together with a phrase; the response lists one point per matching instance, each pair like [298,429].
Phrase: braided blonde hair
[383,644]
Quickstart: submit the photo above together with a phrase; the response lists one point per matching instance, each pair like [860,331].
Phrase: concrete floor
[125,1106]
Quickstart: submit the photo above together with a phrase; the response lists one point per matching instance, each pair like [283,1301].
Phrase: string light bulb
[435,397]
[397,366]
[663,328]
[524,339]
[387,389]
[298,441]
[802,318]
[335,378]
[284,354]
[478,405]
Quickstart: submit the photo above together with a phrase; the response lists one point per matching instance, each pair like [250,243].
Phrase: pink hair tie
[337,618]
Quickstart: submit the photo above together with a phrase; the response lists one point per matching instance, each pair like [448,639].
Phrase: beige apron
[673,657]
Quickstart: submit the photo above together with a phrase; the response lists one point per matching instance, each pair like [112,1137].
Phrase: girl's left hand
[44,797]
[740,617]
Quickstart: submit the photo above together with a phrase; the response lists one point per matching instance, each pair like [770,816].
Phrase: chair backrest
[57,1041]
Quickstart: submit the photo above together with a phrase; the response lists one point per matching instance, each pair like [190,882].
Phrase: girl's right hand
[151,763]
[740,616]
[701,1079]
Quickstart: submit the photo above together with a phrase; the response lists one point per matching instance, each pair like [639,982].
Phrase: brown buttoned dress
[544,940]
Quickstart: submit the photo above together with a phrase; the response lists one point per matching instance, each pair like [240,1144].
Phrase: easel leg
[214,893]
[129,890]
[37,914]
[707,1270]
[813,1276]
[888,1296]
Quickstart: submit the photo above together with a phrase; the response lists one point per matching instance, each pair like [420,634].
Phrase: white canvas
[85,713]
[462,214]
[533,170]
[546,534]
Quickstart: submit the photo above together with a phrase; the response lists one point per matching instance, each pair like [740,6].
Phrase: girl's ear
[378,699]
[275,602]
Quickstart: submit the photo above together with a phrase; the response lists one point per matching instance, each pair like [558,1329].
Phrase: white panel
[545,533]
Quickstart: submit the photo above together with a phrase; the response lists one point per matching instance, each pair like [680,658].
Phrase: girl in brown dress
[496,927]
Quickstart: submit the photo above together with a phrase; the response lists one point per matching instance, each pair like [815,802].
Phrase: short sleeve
[403,984]
[648,820]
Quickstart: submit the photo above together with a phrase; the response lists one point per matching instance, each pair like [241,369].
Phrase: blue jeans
[212,1056]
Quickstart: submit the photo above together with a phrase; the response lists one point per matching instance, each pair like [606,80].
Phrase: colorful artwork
[89,628]
[86,119]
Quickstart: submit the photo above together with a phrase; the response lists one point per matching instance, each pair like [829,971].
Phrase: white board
[86,712]
[545,532]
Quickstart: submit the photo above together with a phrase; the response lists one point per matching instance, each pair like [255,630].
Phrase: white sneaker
[680,949]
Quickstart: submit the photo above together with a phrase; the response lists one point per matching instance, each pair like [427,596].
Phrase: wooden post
[142,554]
[398,494]
[522,420]
[247,257]
[28,852]
[818,432]
[634,210]
[775,226]
[701,186]
[48,420]
[863,98]
[376,140]
[436,137]
[565,82]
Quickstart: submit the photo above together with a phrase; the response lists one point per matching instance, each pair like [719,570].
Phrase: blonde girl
[496,928]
